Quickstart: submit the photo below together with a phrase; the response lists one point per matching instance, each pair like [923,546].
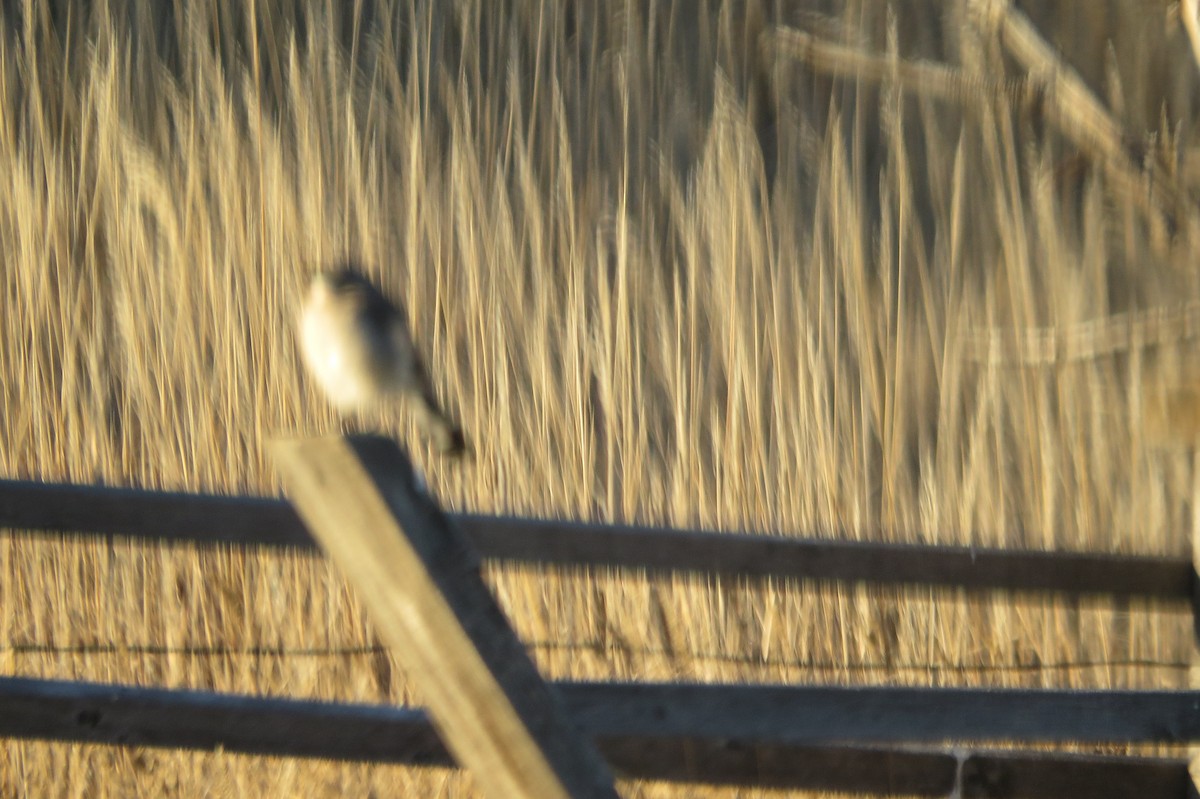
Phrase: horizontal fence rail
[817,714]
[256,521]
[646,748]
[812,714]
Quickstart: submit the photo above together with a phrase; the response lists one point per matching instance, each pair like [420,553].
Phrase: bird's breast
[338,358]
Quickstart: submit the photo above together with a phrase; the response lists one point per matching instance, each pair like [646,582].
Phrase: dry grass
[664,277]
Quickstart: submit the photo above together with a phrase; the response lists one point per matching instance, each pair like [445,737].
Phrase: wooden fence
[199,519]
[861,739]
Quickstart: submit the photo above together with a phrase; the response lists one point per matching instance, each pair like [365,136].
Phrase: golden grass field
[664,274]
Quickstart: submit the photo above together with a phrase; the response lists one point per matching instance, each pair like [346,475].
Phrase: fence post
[1194,671]
[420,579]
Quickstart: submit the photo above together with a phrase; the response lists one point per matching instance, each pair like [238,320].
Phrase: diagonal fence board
[129,716]
[207,519]
[1069,103]
[419,577]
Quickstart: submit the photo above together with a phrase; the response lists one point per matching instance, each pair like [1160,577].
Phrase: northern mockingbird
[356,345]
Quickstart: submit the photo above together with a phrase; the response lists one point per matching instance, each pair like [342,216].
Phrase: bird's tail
[447,437]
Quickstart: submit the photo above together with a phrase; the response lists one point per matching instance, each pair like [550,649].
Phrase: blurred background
[667,269]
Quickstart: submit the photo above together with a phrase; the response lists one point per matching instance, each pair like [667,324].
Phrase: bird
[356,345]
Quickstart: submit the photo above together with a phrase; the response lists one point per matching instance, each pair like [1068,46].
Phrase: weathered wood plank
[119,714]
[122,715]
[775,714]
[820,714]
[419,577]
[206,519]
[666,550]
[163,516]
[1031,775]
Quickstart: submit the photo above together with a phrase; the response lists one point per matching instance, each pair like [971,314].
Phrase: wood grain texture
[419,577]
[249,521]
